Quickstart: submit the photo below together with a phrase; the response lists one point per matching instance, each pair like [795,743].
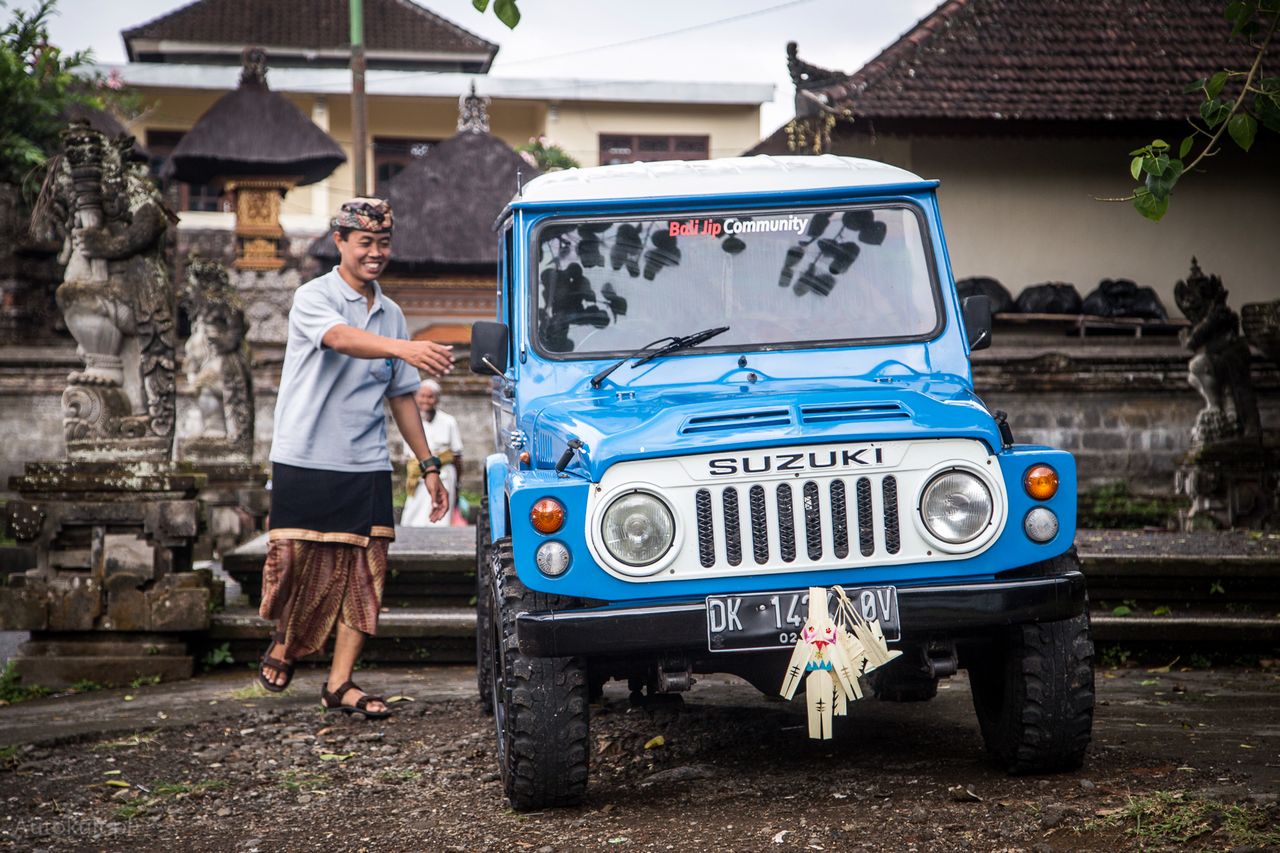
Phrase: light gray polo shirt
[329,413]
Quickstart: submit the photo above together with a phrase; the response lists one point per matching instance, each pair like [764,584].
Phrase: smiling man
[348,350]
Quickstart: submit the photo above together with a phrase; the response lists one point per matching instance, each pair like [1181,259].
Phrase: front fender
[495,477]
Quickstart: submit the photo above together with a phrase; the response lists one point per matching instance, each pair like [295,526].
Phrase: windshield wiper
[672,344]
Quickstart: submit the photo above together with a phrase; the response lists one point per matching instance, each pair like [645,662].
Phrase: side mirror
[489,344]
[977,321]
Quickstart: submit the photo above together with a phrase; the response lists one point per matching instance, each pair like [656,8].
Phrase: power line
[655,36]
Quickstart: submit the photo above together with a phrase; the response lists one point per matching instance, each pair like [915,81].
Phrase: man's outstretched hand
[434,358]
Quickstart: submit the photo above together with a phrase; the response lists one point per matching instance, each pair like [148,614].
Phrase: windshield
[608,286]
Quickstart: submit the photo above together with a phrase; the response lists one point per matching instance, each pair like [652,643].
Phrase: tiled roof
[398,25]
[1084,60]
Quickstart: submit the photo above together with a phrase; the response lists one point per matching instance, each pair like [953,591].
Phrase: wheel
[1034,696]
[484,620]
[911,685]
[540,705]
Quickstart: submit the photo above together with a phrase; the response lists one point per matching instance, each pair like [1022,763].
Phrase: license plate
[772,620]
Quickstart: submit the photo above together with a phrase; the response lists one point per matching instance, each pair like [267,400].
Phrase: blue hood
[616,425]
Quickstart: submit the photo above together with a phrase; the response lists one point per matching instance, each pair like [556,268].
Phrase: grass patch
[173,789]
[294,780]
[1112,506]
[1169,817]
[123,743]
[12,690]
[218,656]
[405,775]
[254,690]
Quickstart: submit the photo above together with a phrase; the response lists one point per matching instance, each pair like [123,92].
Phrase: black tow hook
[574,445]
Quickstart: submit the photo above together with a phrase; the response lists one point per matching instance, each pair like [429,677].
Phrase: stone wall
[1122,405]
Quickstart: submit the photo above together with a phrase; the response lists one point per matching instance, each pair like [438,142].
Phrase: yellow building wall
[575,126]
[732,128]
[1025,211]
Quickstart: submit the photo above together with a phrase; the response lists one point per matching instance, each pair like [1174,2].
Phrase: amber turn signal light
[547,515]
[1041,482]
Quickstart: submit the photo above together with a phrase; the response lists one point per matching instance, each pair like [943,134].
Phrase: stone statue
[217,364]
[1261,323]
[116,299]
[1219,368]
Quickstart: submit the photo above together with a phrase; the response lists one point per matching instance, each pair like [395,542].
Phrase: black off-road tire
[540,704]
[484,609]
[1034,696]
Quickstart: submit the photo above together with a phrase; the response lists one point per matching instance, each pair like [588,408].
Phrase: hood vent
[834,413]
[737,420]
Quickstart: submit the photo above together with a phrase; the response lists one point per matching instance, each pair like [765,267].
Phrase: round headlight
[638,529]
[956,506]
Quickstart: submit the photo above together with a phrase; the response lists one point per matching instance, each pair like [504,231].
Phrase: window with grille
[178,194]
[391,154]
[620,148]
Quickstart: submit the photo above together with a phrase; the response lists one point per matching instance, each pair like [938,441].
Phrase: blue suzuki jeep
[718,384]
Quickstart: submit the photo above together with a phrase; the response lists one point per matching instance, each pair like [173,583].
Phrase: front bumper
[926,611]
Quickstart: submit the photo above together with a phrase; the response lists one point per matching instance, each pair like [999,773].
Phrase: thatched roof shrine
[253,131]
[446,202]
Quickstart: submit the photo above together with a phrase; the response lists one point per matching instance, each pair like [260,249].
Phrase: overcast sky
[840,34]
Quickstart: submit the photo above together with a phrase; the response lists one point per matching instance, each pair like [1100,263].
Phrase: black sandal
[333,701]
[278,665]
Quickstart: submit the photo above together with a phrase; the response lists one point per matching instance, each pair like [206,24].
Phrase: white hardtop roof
[727,176]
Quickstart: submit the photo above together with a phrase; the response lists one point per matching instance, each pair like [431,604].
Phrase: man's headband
[364,214]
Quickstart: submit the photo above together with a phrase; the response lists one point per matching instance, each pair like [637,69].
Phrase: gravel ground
[1196,752]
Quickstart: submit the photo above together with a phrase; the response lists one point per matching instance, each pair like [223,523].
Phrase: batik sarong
[326,554]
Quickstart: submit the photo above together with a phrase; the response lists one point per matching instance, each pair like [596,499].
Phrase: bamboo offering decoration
[834,653]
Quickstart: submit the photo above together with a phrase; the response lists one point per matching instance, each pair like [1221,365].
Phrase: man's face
[364,255]
[426,400]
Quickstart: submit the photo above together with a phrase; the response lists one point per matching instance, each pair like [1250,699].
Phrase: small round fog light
[552,559]
[547,515]
[1041,482]
[1040,524]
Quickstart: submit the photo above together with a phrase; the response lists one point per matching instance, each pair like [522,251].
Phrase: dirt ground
[1180,760]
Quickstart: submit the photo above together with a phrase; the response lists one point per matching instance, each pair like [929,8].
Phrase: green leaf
[1159,144]
[507,12]
[1214,87]
[1195,86]
[1243,128]
[1156,165]
[1185,148]
[1135,167]
[336,756]
[1122,610]
[1214,112]
[1268,110]
[1162,610]
[1149,206]
[117,783]
[480,5]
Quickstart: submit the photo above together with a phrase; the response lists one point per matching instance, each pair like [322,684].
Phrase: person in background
[445,439]
[348,355]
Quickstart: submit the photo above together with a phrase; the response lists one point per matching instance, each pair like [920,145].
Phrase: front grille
[826,524]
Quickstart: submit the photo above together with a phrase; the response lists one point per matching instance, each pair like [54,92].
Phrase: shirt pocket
[382,369]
